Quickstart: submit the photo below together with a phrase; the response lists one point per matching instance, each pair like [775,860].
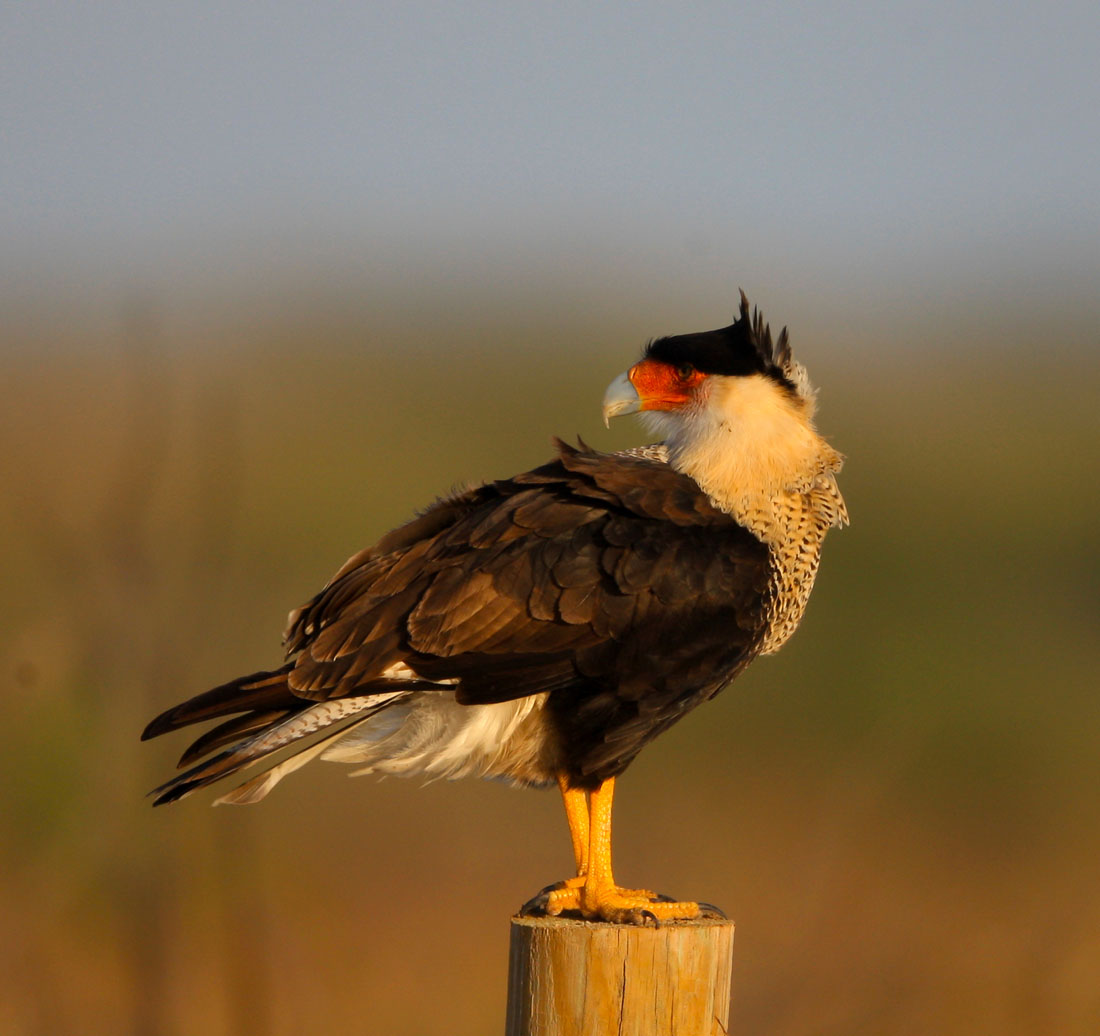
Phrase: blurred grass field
[901,811]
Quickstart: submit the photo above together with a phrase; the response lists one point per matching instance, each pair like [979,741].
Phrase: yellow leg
[593,893]
[599,877]
[557,898]
[576,812]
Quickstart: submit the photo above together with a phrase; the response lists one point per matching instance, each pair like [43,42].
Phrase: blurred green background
[273,277]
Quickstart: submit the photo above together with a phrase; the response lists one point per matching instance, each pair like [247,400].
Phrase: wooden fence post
[581,978]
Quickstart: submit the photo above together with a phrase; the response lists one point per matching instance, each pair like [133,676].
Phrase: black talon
[710,910]
[536,905]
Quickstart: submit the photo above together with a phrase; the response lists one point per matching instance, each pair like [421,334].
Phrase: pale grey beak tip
[620,398]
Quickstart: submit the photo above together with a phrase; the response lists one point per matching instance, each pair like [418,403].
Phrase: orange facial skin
[660,386]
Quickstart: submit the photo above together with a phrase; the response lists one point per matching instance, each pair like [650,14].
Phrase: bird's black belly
[599,731]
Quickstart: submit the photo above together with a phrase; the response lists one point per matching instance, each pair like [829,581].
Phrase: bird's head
[733,407]
[678,375]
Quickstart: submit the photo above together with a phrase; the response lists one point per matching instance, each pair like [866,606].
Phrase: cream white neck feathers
[749,443]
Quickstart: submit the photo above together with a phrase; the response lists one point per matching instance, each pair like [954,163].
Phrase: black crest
[743,348]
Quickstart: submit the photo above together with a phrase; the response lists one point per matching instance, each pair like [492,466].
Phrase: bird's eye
[685,371]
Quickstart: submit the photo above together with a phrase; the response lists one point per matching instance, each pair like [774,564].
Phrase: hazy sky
[833,143]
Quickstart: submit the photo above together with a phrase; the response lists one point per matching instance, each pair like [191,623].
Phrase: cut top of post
[583,978]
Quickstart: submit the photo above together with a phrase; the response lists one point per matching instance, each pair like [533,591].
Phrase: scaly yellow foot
[566,895]
[617,905]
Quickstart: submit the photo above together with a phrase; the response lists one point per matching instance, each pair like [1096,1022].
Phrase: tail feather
[266,691]
[231,730]
[256,788]
[271,738]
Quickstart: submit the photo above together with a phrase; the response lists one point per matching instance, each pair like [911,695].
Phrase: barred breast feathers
[754,450]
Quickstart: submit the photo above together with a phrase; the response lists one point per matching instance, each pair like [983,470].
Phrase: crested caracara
[545,628]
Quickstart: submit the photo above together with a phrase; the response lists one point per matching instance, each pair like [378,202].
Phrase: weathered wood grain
[580,978]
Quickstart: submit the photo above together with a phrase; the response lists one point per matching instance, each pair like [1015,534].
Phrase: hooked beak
[620,398]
